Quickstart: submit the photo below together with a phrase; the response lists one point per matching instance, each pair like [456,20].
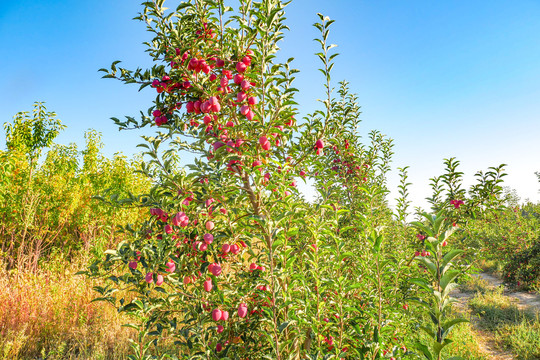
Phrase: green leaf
[422,283]
[447,326]
[283,326]
[448,277]
[449,289]
[422,227]
[449,257]
[428,263]
[425,350]
[428,331]
[439,346]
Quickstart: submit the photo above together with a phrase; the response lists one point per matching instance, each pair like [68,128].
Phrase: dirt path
[524,301]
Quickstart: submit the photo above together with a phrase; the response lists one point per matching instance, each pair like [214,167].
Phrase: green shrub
[523,268]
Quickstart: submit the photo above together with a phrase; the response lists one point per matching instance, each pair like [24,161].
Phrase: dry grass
[50,314]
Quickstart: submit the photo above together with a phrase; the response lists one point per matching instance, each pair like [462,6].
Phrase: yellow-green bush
[46,198]
[50,228]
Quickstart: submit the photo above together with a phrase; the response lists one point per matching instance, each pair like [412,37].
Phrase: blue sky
[442,78]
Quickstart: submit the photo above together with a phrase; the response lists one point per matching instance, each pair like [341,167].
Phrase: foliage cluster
[510,236]
[232,262]
[46,202]
[494,226]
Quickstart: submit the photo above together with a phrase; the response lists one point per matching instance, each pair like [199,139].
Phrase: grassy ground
[465,343]
[473,284]
[513,329]
[491,266]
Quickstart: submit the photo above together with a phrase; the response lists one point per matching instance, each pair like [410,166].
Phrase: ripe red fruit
[214,104]
[156,212]
[241,96]
[216,314]
[171,266]
[242,310]
[132,265]
[208,285]
[209,225]
[219,347]
[224,315]
[238,79]
[217,145]
[168,229]
[180,219]
[245,84]
[220,329]
[216,269]
[252,266]
[235,249]
[193,64]
[246,60]
[208,238]
[228,74]
[149,277]
[205,107]
[252,100]
[241,67]
[244,109]
[250,115]
[265,144]
[159,280]
[225,248]
[319,144]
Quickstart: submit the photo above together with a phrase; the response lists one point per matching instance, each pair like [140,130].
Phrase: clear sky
[443,79]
